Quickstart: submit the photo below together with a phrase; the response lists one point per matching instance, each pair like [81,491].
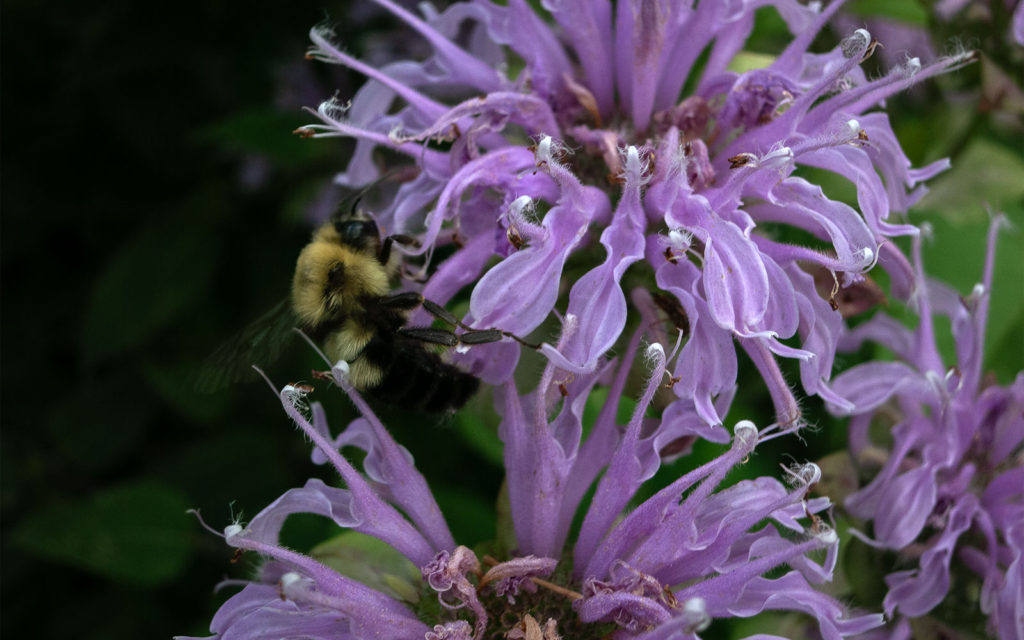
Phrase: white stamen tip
[697,610]
[936,380]
[232,530]
[810,473]
[544,149]
[680,240]
[340,370]
[828,536]
[634,168]
[289,579]
[655,350]
[462,348]
[910,68]
[856,43]
[745,430]
[777,158]
[853,125]
[520,203]
[695,605]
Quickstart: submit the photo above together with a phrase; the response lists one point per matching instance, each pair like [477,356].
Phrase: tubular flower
[575,135]
[950,495]
[667,568]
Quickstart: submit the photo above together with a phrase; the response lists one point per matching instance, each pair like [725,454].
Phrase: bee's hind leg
[433,336]
[451,339]
[482,336]
[406,301]
[470,335]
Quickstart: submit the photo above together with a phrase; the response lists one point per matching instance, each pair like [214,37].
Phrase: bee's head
[352,227]
[359,234]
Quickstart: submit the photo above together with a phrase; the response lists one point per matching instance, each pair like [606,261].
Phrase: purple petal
[917,592]
[390,467]
[707,364]
[904,509]
[597,300]
[791,592]
[258,612]
[868,385]
[588,26]
[456,61]
[735,279]
[519,27]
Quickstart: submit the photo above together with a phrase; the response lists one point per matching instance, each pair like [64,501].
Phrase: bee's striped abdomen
[416,378]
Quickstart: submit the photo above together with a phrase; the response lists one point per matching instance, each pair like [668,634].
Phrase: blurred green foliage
[153,203]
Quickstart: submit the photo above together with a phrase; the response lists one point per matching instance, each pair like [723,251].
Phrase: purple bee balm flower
[950,495]
[665,568]
[608,158]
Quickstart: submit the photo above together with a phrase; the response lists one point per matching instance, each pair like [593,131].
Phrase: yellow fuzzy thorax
[314,298]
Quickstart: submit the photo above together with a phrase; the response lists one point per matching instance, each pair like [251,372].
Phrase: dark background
[153,203]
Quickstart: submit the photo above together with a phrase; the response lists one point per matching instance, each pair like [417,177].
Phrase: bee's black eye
[336,275]
[353,232]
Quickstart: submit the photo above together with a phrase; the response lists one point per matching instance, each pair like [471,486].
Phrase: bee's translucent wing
[348,206]
[259,344]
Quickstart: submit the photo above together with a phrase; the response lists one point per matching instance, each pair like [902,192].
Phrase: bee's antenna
[348,210]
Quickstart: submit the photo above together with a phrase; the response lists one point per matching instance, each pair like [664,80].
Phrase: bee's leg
[410,300]
[450,339]
[441,313]
[433,336]
[385,247]
[482,336]
[402,301]
[471,335]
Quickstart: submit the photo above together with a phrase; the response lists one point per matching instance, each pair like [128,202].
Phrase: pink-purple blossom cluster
[705,540]
[521,172]
[547,138]
[951,489]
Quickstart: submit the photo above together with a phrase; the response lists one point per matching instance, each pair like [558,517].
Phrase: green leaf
[986,174]
[87,429]
[838,476]
[220,478]
[266,132]
[372,562]
[147,284]
[748,61]
[908,11]
[505,531]
[136,533]
[471,518]
[864,569]
[596,401]
[174,383]
[955,254]
[475,432]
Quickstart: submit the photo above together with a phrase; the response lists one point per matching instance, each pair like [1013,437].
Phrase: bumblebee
[342,298]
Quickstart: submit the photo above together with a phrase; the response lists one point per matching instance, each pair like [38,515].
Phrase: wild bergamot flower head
[620,137]
[590,127]
[690,553]
[949,494]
